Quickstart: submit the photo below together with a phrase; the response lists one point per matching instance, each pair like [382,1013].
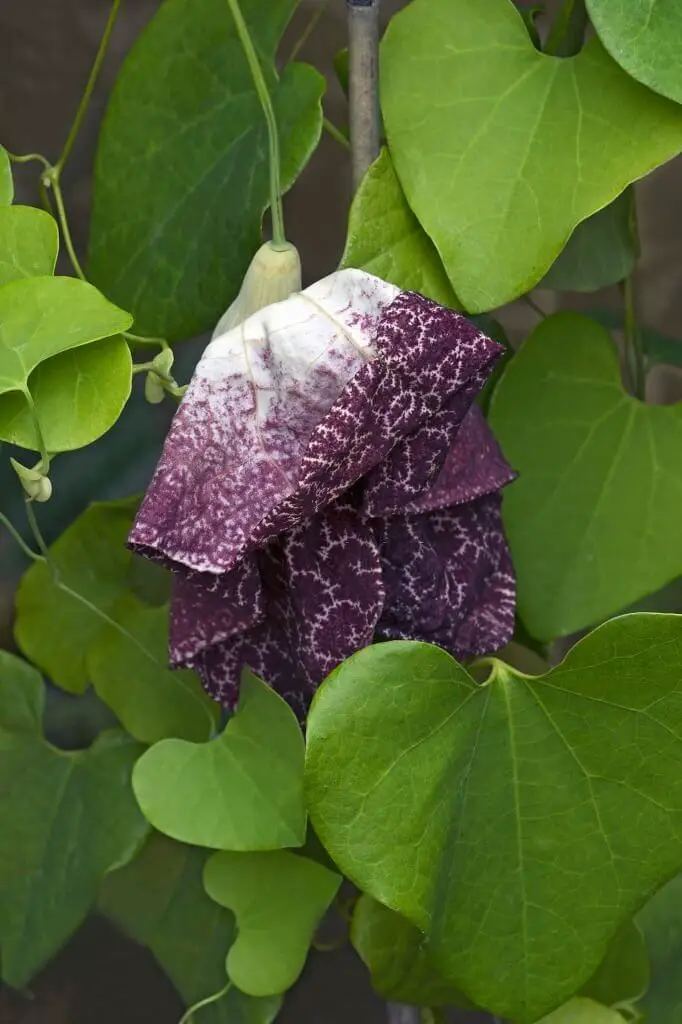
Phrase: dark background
[46,49]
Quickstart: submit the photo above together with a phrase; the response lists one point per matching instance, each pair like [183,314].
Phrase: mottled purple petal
[449,578]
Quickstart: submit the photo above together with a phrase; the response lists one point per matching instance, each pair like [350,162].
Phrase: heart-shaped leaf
[661,922]
[65,820]
[601,251]
[174,247]
[643,36]
[159,900]
[29,242]
[386,239]
[583,1011]
[591,518]
[128,667]
[425,789]
[6,180]
[53,628]
[509,132]
[278,899]
[242,790]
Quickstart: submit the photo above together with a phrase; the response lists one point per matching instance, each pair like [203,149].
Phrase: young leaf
[583,1011]
[386,239]
[508,132]
[643,36]
[130,674]
[601,251]
[278,899]
[242,790]
[173,247]
[65,820]
[159,900]
[591,518]
[29,242]
[425,789]
[6,180]
[54,629]
[398,959]
[661,922]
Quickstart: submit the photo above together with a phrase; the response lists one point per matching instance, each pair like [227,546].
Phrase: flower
[328,481]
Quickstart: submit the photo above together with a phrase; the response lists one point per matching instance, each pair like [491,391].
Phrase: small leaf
[643,36]
[591,518]
[54,629]
[65,820]
[29,242]
[412,769]
[509,133]
[242,790]
[129,672]
[601,251]
[79,395]
[159,900]
[386,239]
[278,899]
[661,922]
[174,247]
[6,180]
[398,960]
[583,1011]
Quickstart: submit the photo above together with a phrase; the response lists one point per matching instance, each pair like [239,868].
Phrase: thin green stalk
[277,211]
[89,89]
[140,339]
[633,340]
[40,540]
[308,30]
[53,180]
[25,158]
[189,1016]
[532,304]
[28,551]
[335,133]
[42,447]
[567,34]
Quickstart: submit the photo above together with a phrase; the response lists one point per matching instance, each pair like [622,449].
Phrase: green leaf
[6,180]
[643,36]
[583,1011]
[159,900]
[395,954]
[278,899]
[181,179]
[79,395]
[129,672]
[29,242]
[661,922]
[592,516]
[601,251]
[623,975]
[242,790]
[54,629]
[386,239]
[425,789]
[658,347]
[65,820]
[491,140]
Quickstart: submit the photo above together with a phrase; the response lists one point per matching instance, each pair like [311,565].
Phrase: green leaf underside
[29,242]
[278,899]
[181,178]
[661,922]
[242,790]
[425,790]
[65,820]
[643,36]
[52,628]
[508,131]
[78,394]
[601,251]
[386,239]
[159,900]
[6,180]
[591,518]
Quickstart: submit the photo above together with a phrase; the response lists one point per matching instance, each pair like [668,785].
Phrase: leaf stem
[308,30]
[532,304]
[52,181]
[189,1015]
[42,447]
[567,34]
[277,211]
[40,540]
[633,340]
[28,551]
[25,158]
[335,133]
[140,339]
[89,89]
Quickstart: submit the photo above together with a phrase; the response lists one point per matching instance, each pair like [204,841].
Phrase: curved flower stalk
[328,482]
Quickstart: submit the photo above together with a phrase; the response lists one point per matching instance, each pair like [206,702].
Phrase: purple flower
[328,482]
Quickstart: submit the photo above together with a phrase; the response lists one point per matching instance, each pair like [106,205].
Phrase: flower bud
[35,483]
[272,277]
[154,391]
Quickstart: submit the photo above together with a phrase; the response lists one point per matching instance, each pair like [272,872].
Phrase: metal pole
[363,84]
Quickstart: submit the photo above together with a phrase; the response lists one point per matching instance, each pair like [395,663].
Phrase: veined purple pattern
[328,482]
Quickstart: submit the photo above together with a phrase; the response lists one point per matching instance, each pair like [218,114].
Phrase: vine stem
[14,533]
[277,211]
[53,182]
[335,133]
[189,1015]
[89,89]
[633,340]
[567,34]
[363,84]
